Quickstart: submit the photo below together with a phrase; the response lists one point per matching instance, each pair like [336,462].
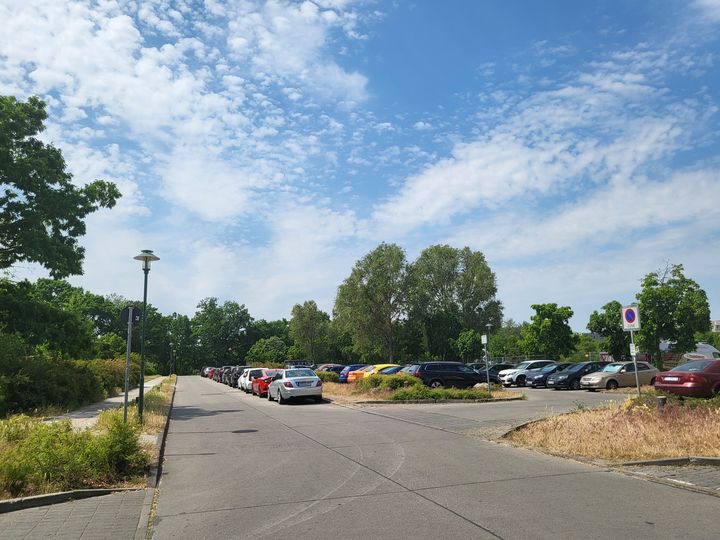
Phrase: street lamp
[146,256]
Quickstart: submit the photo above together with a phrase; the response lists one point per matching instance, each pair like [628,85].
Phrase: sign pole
[127,362]
[484,341]
[634,355]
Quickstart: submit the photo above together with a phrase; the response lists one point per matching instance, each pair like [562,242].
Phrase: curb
[690,460]
[10,505]
[423,401]
[154,474]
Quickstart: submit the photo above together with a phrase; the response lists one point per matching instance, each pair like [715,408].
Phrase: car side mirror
[623,370]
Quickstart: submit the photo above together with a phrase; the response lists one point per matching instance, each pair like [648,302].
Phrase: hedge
[328,376]
[387,382]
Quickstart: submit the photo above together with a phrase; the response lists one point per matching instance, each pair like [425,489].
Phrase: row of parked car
[696,378]
[281,385]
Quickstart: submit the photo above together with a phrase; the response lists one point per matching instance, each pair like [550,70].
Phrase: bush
[387,382]
[328,376]
[424,392]
[37,457]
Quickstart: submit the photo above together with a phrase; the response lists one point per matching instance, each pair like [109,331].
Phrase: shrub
[424,392]
[328,376]
[37,457]
[387,382]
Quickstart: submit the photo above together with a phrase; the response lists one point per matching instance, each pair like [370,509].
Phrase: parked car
[493,370]
[348,369]
[235,375]
[619,374]
[335,368]
[299,363]
[698,378]
[245,380]
[372,370]
[204,372]
[227,374]
[570,376]
[437,374]
[260,384]
[357,374]
[518,374]
[210,372]
[390,370]
[540,378]
[294,383]
[217,376]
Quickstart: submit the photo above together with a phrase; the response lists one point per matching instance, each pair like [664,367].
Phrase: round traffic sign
[630,315]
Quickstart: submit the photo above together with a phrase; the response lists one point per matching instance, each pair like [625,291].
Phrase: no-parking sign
[630,318]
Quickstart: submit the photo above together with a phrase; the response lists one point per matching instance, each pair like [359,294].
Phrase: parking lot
[241,467]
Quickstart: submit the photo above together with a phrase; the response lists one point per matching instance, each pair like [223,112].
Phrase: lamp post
[486,342]
[146,256]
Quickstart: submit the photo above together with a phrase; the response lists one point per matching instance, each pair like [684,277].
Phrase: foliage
[309,330]
[373,300]
[424,392]
[387,382]
[608,324]
[42,212]
[328,376]
[587,349]
[39,457]
[469,345]
[222,331]
[549,333]
[673,308]
[269,350]
[505,341]
[452,290]
[264,329]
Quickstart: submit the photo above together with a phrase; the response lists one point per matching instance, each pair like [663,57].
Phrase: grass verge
[636,429]
[405,388]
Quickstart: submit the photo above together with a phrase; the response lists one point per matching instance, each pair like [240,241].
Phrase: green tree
[373,300]
[261,329]
[222,331]
[549,333]
[110,346]
[506,341]
[452,290]
[270,350]
[469,345]
[608,324]
[41,211]
[309,330]
[673,308]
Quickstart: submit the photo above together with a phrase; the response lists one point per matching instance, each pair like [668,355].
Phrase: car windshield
[612,368]
[271,372]
[575,367]
[523,365]
[697,365]
[548,369]
[291,373]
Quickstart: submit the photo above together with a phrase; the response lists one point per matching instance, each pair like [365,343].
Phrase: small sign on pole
[630,318]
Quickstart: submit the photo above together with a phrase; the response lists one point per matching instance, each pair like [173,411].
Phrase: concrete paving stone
[704,476]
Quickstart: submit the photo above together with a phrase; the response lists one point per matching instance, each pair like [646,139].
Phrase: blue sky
[263,147]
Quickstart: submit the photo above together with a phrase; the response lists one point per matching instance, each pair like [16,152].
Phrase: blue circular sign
[630,315]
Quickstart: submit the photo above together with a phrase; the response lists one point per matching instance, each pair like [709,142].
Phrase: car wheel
[591,389]
[435,383]
[611,384]
[575,385]
[280,399]
[520,381]
[716,390]
[506,385]
[318,399]
[269,396]
[652,381]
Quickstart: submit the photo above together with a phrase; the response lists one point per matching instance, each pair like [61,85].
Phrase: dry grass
[627,431]
[632,390]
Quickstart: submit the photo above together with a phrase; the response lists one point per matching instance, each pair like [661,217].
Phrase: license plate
[671,379]
[304,383]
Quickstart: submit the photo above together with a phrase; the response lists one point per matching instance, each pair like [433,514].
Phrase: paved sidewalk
[110,516]
[87,416]
[701,476]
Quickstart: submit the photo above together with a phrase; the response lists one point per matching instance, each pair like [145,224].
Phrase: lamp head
[146,256]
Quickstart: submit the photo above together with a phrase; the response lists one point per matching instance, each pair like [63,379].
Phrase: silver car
[292,383]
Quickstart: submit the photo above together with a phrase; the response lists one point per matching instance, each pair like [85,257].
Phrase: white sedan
[245,380]
[292,383]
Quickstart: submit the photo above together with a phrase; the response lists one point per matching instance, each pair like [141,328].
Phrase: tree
[373,300]
[608,324]
[673,308]
[452,290]
[309,330]
[505,342]
[549,333]
[222,331]
[41,211]
[265,351]
[469,345]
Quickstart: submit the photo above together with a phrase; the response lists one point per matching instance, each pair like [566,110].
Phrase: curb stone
[154,474]
[10,505]
[423,401]
[690,460]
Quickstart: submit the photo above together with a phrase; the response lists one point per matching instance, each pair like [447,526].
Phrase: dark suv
[437,374]
[570,376]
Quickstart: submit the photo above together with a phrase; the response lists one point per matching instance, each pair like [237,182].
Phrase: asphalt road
[240,467]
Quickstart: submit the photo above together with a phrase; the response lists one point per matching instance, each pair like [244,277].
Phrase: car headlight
[561,377]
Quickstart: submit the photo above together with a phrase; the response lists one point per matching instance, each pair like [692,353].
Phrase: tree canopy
[608,324]
[309,330]
[41,211]
[549,333]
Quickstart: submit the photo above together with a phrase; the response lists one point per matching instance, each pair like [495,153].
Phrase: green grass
[37,457]
[424,392]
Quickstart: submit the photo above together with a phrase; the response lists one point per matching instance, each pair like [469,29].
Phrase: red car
[698,378]
[210,372]
[260,384]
